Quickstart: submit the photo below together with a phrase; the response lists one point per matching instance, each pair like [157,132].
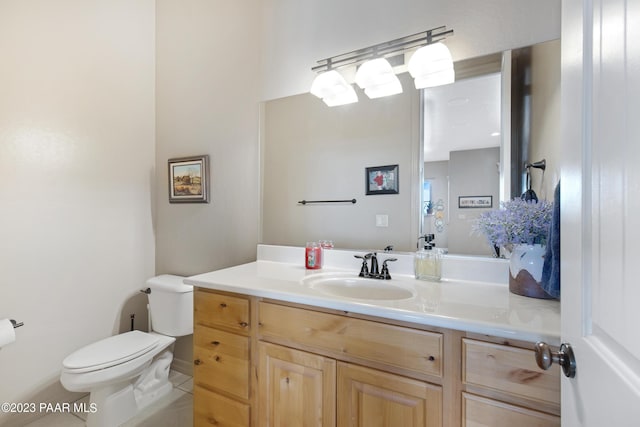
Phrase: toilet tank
[170,305]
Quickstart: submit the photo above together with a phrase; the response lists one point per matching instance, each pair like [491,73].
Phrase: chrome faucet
[373,272]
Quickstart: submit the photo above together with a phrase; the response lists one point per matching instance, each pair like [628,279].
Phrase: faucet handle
[385,268]
[364,270]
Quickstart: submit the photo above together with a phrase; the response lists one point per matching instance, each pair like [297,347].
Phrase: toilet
[127,372]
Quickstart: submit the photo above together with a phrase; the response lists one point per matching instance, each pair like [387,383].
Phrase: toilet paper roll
[7,333]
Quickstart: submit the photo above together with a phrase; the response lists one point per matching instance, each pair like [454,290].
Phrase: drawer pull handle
[223,305]
[197,362]
[244,324]
[215,342]
[217,358]
[431,358]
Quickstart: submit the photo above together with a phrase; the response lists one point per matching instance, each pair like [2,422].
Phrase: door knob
[564,357]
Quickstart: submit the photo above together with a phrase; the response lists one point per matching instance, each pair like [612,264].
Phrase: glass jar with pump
[428,260]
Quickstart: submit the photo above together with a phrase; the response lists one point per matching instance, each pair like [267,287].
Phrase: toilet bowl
[127,372]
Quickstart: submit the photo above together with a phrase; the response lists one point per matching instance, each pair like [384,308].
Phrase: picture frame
[475,202]
[189,179]
[382,180]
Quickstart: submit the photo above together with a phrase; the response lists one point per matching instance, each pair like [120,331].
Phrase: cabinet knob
[564,357]
[215,342]
[223,305]
[244,324]
[197,362]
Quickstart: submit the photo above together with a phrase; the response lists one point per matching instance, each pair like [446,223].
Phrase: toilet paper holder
[16,324]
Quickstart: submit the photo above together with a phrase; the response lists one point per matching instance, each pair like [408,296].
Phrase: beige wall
[76,181]
[438,174]
[471,173]
[545,117]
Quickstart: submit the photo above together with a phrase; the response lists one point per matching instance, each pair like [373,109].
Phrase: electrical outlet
[382,220]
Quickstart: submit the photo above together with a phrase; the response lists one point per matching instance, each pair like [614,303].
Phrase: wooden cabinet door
[371,398]
[296,389]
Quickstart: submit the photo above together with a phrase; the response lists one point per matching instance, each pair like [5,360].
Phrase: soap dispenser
[428,260]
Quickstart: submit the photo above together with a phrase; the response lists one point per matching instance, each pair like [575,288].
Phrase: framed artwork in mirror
[471,202]
[189,179]
[382,180]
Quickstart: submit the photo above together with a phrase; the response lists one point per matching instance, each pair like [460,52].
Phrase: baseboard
[182,366]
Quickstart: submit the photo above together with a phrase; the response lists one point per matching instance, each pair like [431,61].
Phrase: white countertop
[479,307]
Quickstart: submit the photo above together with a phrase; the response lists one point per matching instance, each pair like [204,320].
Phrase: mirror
[480,132]
[315,153]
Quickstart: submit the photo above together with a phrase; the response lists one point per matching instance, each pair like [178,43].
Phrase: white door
[601,211]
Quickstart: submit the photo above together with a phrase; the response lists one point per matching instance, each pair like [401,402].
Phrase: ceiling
[464,115]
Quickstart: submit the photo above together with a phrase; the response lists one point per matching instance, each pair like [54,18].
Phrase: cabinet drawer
[405,348]
[482,412]
[212,309]
[221,360]
[509,369]
[211,409]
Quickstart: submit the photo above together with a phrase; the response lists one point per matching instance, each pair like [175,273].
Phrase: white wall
[76,180]
[300,32]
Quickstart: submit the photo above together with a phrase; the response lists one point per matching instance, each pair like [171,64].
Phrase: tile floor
[173,410]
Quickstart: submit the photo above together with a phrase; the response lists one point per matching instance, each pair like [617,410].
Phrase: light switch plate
[382,220]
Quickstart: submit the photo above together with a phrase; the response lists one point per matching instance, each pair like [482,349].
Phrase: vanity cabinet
[336,365]
[269,363]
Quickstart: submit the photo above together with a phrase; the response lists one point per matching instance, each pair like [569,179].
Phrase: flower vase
[525,271]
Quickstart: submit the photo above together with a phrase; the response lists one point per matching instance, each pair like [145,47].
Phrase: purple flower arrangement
[517,222]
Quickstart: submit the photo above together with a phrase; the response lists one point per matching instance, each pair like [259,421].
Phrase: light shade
[333,89]
[432,65]
[377,78]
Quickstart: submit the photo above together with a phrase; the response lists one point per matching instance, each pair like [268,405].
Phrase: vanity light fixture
[375,72]
[432,65]
[333,89]
[377,78]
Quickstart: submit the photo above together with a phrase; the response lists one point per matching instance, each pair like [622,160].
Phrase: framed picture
[189,179]
[382,180]
[467,202]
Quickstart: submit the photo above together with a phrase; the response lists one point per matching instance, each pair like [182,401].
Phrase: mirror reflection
[476,140]
[479,133]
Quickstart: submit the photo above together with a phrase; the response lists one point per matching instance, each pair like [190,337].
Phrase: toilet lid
[111,351]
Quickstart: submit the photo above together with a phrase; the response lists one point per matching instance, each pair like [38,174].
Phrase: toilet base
[118,403]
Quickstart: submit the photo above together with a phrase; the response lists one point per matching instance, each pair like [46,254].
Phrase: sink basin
[350,286]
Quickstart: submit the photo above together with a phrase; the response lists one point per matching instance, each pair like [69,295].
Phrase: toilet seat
[110,351]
